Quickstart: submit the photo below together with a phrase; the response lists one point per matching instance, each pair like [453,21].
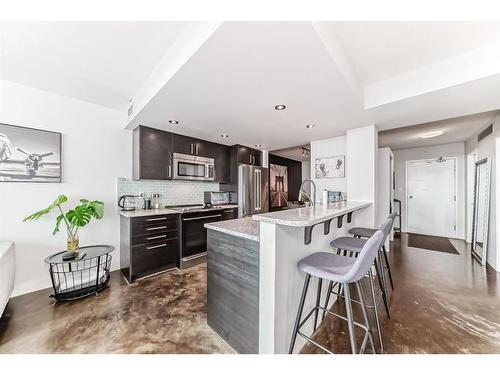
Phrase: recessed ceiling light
[224,135]
[279,107]
[173,122]
[258,145]
[310,126]
[432,134]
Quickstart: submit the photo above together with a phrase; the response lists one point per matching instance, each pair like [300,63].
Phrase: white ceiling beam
[335,48]
[477,64]
[192,38]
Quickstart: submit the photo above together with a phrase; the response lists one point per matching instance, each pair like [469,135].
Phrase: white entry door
[431,197]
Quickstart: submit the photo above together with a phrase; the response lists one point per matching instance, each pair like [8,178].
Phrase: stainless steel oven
[195,168]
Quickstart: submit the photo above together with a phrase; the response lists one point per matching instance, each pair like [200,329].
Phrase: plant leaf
[58,222]
[59,200]
[79,216]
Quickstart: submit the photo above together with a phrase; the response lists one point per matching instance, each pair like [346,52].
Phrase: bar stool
[361,232]
[345,271]
[355,246]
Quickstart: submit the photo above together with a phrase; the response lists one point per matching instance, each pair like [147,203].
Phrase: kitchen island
[254,286]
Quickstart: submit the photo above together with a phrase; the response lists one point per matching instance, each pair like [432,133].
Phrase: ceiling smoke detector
[431,134]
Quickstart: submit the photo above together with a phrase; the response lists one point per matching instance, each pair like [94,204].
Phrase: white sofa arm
[7,272]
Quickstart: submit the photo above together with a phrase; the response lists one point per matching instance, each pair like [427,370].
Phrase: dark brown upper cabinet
[153,149]
[188,145]
[152,154]
[247,155]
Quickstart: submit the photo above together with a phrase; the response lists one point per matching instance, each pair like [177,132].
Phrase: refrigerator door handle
[258,189]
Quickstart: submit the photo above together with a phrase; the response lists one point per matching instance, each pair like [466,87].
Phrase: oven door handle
[202,217]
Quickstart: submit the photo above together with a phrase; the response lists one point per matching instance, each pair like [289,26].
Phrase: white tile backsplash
[172,193]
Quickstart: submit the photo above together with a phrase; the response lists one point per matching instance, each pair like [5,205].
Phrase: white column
[361,171]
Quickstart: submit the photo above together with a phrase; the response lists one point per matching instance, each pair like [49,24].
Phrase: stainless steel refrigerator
[253,190]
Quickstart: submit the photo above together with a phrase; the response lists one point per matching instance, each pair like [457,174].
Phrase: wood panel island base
[253,284]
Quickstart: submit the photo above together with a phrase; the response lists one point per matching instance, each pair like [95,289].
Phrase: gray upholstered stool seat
[362,232]
[348,243]
[326,266]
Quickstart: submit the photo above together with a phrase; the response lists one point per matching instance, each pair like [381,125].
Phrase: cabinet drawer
[156,219]
[151,258]
[143,228]
[154,236]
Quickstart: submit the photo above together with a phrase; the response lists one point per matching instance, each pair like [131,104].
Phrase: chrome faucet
[313,201]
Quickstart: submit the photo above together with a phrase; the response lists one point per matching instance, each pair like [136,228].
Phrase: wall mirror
[481,217]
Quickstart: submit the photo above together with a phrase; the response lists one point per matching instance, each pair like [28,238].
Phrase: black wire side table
[82,276]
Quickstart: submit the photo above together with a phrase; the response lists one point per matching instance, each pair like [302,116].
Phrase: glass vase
[73,243]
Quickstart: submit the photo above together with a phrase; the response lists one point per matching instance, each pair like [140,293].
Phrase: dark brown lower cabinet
[148,244]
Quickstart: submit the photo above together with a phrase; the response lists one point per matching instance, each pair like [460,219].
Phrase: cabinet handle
[156,237]
[169,171]
[191,148]
[250,156]
[156,228]
[156,247]
[228,211]
[157,218]
[202,217]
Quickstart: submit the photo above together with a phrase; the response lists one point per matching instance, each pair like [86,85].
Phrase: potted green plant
[73,219]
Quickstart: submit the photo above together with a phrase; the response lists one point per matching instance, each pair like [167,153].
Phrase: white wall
[96,150]
[456,150]
[490,147]
[361,171]
[324,148]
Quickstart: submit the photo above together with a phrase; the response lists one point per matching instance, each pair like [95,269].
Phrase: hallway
[442,303]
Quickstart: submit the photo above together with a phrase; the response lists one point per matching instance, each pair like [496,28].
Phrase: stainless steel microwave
[195,168]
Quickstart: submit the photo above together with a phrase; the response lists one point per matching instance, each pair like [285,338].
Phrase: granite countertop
[244,227]
[151,212]
[307,216]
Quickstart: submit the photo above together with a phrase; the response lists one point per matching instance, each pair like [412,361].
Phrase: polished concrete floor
[442,303]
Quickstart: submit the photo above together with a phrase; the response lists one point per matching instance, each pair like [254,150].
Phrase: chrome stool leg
[388,266]
[299,313]
[318,300]
[350,319]
[375,307]
[382,288]
[365,315]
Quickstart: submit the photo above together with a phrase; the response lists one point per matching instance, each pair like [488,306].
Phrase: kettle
[127,202]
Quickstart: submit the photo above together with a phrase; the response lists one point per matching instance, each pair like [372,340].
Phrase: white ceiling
[294,153]
[100,62]
[227,78]
[455,130]
[381,50]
